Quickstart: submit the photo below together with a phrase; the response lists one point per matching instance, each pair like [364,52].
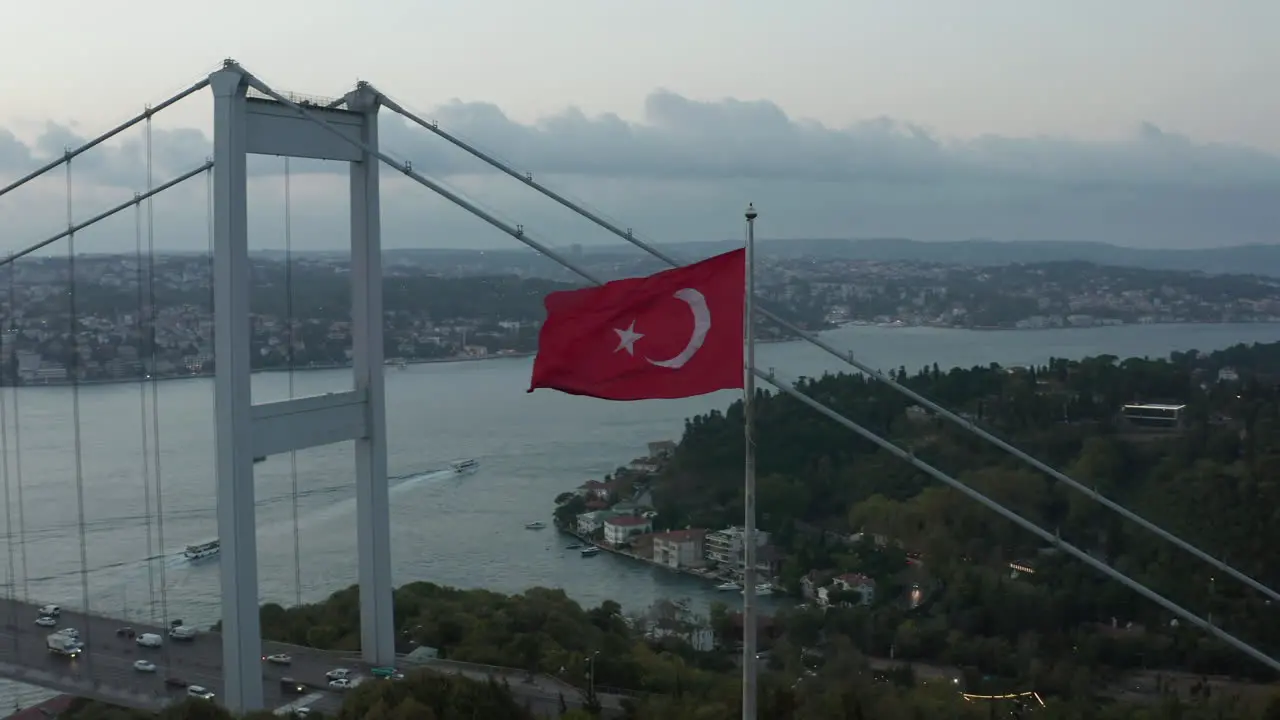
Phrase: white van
[51,611]
[149,640]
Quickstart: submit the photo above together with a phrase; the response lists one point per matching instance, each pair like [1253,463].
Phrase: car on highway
[387,673]
[339,674]
[51,610]
[292,687]
[279,659]
[341,684]
[174,682]
[144,666]
[46,621]
[198,691]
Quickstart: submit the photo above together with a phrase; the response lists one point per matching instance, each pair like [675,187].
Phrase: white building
[680,548]
[619,530]
[725,547]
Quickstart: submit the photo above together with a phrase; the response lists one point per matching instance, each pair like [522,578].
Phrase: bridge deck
[105,670]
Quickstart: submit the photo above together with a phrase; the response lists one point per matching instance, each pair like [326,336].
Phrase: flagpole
[749,624]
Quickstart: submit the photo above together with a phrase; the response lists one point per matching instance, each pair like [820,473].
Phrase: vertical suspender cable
[17,435]
[288,302]
[73,311]
[12,579]
[141,325]
[155,393]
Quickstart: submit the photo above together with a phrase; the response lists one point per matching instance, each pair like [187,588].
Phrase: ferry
[536,525]
[203,550]
[589,550]
[729,586]
[464,466]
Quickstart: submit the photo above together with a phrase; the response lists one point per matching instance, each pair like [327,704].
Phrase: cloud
[684,171]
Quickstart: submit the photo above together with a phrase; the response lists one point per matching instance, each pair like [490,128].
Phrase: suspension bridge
[250,117]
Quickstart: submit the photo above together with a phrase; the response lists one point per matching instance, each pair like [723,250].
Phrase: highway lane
[108,659]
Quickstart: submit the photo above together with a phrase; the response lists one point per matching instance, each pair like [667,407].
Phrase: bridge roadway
[105,670]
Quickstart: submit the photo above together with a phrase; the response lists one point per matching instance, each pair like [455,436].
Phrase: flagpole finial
[751,212]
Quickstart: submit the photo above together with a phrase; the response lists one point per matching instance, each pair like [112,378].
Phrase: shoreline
[531,353]
[632,556]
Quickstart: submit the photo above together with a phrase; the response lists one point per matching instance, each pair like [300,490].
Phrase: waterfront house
[680,549]
[590,523]
[620,529]
[724,547]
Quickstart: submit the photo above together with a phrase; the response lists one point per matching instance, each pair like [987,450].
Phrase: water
[466,531]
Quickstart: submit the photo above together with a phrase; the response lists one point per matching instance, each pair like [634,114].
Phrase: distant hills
[1232,260]
[1237,259]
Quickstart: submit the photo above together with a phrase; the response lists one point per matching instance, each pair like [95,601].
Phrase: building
[591,522]
[856,583]
[1228,375]
[1153,416]
[724,547]
[619,530]
[680,548]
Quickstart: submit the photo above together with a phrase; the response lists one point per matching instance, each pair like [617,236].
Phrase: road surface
[105,669]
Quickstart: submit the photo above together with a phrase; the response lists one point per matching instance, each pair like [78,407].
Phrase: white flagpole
[749,623]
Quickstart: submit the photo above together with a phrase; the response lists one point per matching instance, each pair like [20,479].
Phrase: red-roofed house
[679,548]
[618,530]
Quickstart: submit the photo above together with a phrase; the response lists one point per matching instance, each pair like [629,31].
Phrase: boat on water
[535,525]
[729,586]
[464,466]
[762,589]
[202,550]
[589,550]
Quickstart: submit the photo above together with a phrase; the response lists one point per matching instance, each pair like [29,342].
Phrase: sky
[1147,123]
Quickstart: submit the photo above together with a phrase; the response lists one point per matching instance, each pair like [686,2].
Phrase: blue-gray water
[465,531]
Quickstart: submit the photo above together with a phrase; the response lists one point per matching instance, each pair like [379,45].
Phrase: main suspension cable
[17,434]
[140,325]
[76,362]
[152,321]
[844,356]
[289,355]
[523,237]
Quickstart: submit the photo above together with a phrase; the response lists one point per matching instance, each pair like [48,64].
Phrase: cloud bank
[686,170]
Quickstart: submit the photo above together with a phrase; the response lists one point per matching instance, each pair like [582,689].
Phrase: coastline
[309,368]
[633,556]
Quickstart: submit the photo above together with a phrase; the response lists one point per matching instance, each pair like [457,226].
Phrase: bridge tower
[244,125]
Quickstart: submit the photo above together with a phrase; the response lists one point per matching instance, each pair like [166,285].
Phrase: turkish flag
[675,334]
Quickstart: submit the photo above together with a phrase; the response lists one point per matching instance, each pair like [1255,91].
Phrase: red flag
[675,334]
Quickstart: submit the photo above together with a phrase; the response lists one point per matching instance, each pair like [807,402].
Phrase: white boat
[536,525]
[203,550]
[462,466]
[589,551]
[763,589]
[729,586]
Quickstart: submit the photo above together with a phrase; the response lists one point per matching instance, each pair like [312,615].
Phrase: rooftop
[1153,406]
[627,521]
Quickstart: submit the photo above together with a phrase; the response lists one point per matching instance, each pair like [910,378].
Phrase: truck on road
[61,644]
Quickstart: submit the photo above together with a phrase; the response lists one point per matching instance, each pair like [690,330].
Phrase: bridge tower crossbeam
[244,125]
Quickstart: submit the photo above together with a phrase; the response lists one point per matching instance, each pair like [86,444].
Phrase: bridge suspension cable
[140,326]
[11,580]
[17,433]
[153,356]
[289,358]
[75,365]
[518,232]
[72,153]
[844,356]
